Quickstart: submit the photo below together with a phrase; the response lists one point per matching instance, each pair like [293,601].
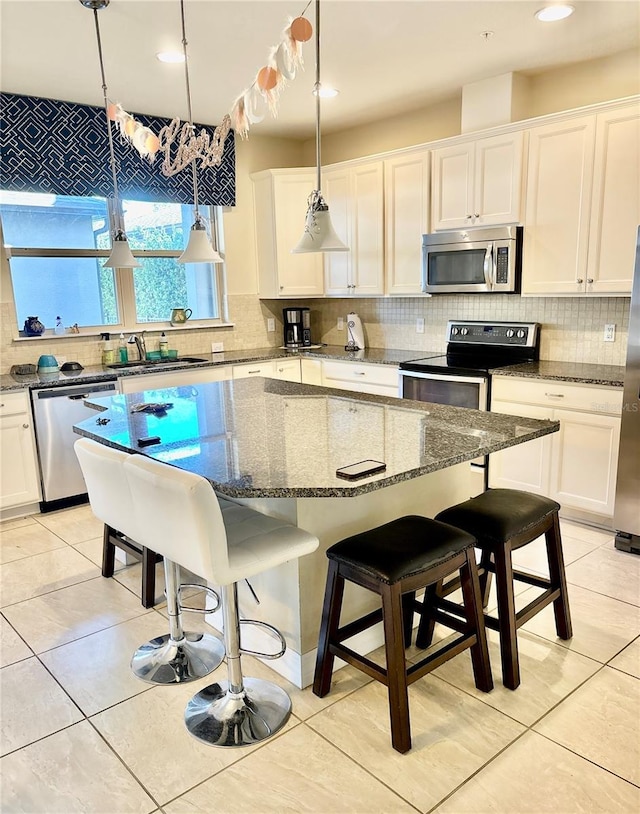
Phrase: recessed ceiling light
[170,56]
[325,92]
[549,14]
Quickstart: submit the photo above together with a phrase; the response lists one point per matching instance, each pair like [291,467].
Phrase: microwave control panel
[523,334]
[502,264]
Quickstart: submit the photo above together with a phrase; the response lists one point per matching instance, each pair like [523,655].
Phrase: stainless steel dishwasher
[56,410]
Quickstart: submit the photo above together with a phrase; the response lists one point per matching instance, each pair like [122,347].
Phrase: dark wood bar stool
[395,560]
[504,520]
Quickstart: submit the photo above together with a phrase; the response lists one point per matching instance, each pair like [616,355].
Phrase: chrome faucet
[138,341]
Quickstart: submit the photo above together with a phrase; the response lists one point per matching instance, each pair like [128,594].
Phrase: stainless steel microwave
[484,261]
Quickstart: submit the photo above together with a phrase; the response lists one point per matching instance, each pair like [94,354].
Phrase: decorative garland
[284,61]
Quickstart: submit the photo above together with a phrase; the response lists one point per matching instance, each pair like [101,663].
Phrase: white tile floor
[80,733]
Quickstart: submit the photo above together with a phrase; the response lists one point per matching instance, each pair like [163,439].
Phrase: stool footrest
[531,579]
[209,592]
[361,662]
[273,631]
[358,625]
[536,605]
[444,653]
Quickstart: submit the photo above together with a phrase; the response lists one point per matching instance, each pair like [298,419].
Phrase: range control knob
[510,332]
[455,331]
[464,331]
[521,334]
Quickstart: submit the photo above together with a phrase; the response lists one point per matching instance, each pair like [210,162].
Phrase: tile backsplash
[572,327]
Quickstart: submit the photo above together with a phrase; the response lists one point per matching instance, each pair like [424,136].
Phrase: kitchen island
[276,445]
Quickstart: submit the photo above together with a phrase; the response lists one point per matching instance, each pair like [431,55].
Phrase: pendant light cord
[189,111]
[317,89]
[106,113]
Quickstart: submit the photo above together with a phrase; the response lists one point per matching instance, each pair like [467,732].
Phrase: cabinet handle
[555,395]
[580,280]
[26,426]
[589,279]
[253,371]
[358,373]
[469,217]
[477,215]
[281,287]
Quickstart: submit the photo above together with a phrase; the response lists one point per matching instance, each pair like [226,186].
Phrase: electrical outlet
[420,325]
[609,333]
[217,347]
[271,325]
[340,323]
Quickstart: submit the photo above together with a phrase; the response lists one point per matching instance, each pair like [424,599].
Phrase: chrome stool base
[169,661]
[222,718]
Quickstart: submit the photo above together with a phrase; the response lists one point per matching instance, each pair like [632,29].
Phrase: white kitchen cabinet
[287,369]
[615,210]
[254,369]
[311,371]
[576,466]
[19,479]
[354,193]
[174,378]
[363,377]
[478,183]
[406,217]
[280,205]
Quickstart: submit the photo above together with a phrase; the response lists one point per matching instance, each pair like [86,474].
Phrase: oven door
[458,267]
[458,391]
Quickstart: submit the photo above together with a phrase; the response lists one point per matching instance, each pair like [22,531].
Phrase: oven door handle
[442,377]
[488,266]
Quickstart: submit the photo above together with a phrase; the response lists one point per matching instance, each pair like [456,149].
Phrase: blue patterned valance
[62,148]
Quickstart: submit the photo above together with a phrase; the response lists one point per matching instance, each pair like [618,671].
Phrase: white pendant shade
[199,248]
[121,256]
[319,235]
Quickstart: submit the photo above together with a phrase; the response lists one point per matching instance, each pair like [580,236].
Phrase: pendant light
[319,234]
[120,256]
[199,248]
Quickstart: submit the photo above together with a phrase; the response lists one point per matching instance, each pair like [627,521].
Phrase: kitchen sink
[155,362]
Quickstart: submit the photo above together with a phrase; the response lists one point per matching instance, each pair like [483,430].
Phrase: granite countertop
[251,437]
[611,375]
[95,373]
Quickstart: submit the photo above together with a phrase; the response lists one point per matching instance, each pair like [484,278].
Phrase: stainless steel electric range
[462,376]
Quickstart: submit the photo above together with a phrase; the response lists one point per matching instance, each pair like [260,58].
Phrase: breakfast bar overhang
[276,445]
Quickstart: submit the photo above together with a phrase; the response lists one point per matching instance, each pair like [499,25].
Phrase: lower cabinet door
[19,473]
[525,466]
[585,460]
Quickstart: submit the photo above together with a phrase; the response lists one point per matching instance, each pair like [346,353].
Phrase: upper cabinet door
[452,188]
[337,265]
[557,210]
[478,183]
[367,229]
[498,180]
[406,212]
[615,212]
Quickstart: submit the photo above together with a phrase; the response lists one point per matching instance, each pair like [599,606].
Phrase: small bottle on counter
[108,351]
[163,345]
[59,329]
[123,353]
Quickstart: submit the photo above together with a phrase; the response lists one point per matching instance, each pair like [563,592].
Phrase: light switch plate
[419,325]
[341,323]
[217,347]
[609,333]
[271,325]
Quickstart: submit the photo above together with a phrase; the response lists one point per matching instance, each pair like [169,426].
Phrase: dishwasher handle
[76,392]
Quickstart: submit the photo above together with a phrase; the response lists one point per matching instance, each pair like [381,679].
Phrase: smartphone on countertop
[360,470]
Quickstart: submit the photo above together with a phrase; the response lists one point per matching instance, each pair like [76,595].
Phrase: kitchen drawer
[14,403]
[334,374]
[266,369]
[287,369]
[547,393]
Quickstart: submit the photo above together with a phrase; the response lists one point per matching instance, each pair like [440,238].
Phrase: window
[58,245]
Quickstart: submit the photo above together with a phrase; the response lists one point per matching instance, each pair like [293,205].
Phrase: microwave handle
[488,266]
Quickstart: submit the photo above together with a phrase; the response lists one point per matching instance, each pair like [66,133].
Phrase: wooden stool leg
[396,667]
[333,594]
[475,618]
[558,579]
[108,552]
[408,609]
[148,578]
[427,623]
[507,617]
[485,577]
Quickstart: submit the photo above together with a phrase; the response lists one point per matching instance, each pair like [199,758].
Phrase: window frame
[124,282]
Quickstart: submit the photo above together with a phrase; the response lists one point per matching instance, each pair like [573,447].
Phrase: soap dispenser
[163,345]
[123,353]
[108,351]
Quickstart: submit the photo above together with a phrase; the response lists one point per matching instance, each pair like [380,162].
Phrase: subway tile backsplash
[572,327]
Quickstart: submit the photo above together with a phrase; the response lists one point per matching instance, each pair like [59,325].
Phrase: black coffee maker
[297,327]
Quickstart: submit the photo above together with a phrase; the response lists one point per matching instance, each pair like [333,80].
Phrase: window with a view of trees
[58,245]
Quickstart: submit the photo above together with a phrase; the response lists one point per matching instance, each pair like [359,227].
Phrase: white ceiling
[385,56]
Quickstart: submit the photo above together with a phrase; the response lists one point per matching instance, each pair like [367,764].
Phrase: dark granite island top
[266,438]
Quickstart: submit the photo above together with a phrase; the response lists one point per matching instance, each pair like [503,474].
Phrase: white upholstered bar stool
[223,542]
[176,657]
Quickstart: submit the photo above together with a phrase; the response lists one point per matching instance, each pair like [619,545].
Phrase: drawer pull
[253,371]
[358,373]
[26,426]
[555,395]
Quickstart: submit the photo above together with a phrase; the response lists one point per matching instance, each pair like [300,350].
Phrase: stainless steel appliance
[461,377]
[56,410]
[485,261]
[626,515]
[297,327]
